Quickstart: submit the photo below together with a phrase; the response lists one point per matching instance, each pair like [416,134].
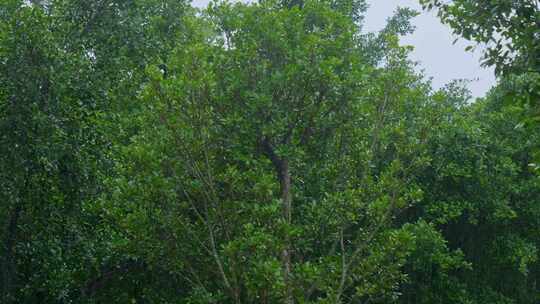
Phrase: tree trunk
[285,185]
[282,169]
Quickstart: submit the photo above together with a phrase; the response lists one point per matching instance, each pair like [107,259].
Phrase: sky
[438,57]
[433,48]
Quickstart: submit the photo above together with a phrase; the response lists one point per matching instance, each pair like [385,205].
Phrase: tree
[481,193]
[62,68]
[278,151]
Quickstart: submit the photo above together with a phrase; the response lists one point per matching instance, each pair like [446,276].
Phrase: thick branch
[281,165]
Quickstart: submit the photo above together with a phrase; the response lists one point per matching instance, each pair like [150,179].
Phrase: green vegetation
[269,152]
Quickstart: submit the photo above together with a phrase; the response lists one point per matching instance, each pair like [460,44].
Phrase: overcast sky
[432,41]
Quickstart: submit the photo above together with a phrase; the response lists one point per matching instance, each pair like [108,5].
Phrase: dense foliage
[269,152]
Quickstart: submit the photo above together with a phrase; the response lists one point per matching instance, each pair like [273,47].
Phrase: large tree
[64,66]
[273,157]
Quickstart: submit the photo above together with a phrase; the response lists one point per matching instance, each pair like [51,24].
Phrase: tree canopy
[263,152]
